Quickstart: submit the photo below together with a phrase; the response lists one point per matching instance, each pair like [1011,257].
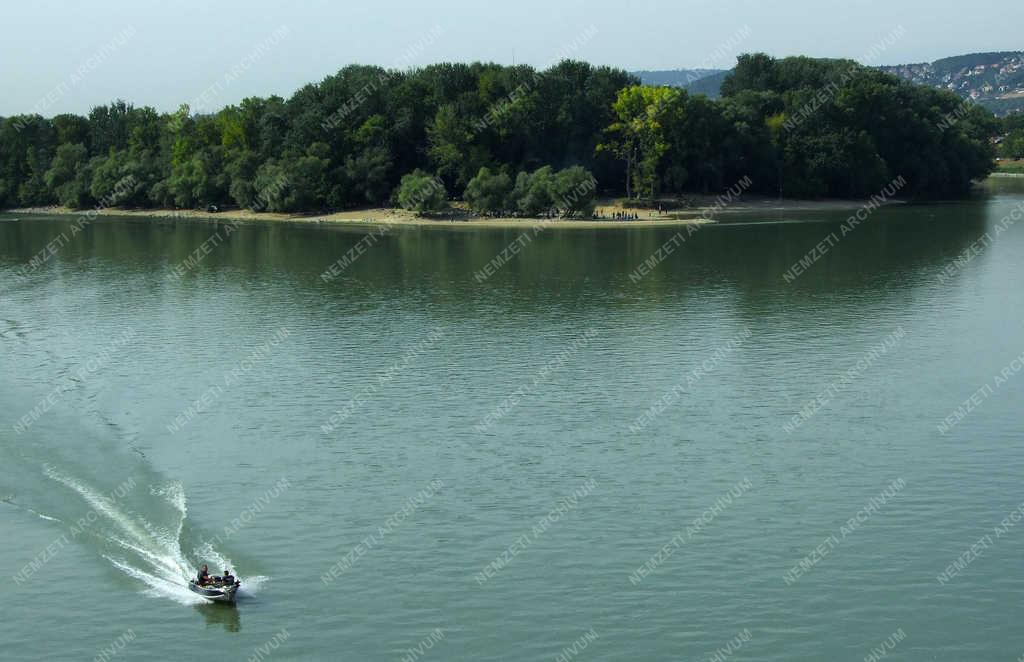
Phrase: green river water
[569,459]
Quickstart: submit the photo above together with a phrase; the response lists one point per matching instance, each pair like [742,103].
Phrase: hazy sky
[69,56]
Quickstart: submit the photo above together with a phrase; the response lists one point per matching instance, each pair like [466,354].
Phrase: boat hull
[214,593]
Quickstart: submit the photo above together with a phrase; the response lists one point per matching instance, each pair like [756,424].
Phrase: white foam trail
[42,516]
[101,504]
[161,564]
[174,494]
[159,587]
[252,585]
[10,501]
[154,559]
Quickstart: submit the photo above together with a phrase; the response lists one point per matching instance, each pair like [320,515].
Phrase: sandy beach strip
[704,212]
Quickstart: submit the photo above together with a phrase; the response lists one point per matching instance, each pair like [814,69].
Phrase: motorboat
[215,591]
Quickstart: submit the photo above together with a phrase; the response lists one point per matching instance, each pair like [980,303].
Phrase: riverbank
[702,210]
[1007,168]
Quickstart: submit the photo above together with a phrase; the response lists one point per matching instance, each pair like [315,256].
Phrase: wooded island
[510,138]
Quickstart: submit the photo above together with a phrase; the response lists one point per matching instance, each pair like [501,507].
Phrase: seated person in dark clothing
[204,575]
[228,579]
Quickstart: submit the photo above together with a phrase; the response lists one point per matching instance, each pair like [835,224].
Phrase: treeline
[344,142]
[543,193]
[507,138]
[1012,138]
[841,129]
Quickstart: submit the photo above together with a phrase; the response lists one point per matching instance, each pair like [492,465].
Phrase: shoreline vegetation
[1009,168]
[512,142]
[702,210]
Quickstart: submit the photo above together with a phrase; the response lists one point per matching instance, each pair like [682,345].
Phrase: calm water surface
[478,465]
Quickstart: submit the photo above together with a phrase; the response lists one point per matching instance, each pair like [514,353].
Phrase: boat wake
[78,469]
[150,553]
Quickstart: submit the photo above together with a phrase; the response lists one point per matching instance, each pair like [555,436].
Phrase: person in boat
[228,579]
[204,575]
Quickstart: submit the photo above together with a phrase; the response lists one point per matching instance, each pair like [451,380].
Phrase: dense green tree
[124,179]
[199,180]
[638,136]
[272,188]
[533,193]
[367,178]
[755,72]
[421,192]
[27,143]
[573,191]
[109,127]
[307,178]
[1012,146]
[66,175]
[451,149]
[241,172]
[489,192]
[33,190]
[71,129]
[834,128]
[1011,123]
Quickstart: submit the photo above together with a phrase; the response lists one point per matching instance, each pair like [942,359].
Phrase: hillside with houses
[994,80]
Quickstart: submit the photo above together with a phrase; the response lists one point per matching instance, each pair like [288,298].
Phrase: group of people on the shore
[617,216]
[625,215]
[549,214]
[598,215]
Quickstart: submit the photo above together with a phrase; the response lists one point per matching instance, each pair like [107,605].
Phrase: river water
[608,445]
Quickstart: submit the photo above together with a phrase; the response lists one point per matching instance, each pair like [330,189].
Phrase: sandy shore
[701,212]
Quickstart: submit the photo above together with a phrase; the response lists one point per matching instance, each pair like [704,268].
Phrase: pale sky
[69,56]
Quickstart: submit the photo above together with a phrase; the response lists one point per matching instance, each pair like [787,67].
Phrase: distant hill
[994,80]
[675,77]
[698,81]
[710,86]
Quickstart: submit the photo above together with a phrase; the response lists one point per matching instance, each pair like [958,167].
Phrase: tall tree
[638,135]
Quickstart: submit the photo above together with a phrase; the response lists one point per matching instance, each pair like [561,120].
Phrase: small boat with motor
[215,589]
[215,592]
